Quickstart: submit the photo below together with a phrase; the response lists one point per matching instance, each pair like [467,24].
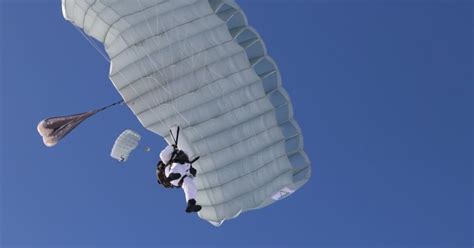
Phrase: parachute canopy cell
[199,65]
[125,143]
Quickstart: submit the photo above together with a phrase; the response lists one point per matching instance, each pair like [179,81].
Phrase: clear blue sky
[383,91]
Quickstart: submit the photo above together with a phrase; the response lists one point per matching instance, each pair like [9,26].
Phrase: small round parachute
[125,143]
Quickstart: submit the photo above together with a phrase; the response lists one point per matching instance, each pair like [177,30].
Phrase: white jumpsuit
[188,185]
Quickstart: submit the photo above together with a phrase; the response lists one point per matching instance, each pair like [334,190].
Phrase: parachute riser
[108,106]
[175,139]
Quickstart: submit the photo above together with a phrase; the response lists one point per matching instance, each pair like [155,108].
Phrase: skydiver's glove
[173,176]
[193,171]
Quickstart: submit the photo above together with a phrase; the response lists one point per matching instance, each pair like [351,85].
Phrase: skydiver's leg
[189,188]
[190,192]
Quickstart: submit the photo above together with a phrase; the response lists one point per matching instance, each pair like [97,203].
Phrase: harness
[161,171]
[178,156]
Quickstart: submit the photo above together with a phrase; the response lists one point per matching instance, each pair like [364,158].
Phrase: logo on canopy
[282,193]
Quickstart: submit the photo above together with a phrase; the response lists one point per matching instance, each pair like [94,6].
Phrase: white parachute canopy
[125,143]
[198,64]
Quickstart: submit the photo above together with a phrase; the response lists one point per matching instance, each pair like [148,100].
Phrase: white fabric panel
[92,15]
[204,28]
[223,119]
[230,188]
[203,101]
[198,92]
[158,20]
[251,200]
[210,108]
[197,64]
[80,9]
[229,119]
[159,63]
[102,20]
[250,163]
[163,57]
[242,131]
[67,8]
[166,85]
[131,16]
[240,150]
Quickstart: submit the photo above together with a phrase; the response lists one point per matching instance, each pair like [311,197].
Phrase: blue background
[383,91]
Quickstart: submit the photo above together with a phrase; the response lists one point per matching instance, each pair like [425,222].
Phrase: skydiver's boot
[192,207]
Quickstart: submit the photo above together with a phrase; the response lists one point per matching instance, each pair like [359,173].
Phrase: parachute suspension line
[108,106]
[175,139]
[182,49]
[92,43]
[165,85]
[165,88]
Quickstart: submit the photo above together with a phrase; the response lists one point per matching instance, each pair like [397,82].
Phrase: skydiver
[174,170]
